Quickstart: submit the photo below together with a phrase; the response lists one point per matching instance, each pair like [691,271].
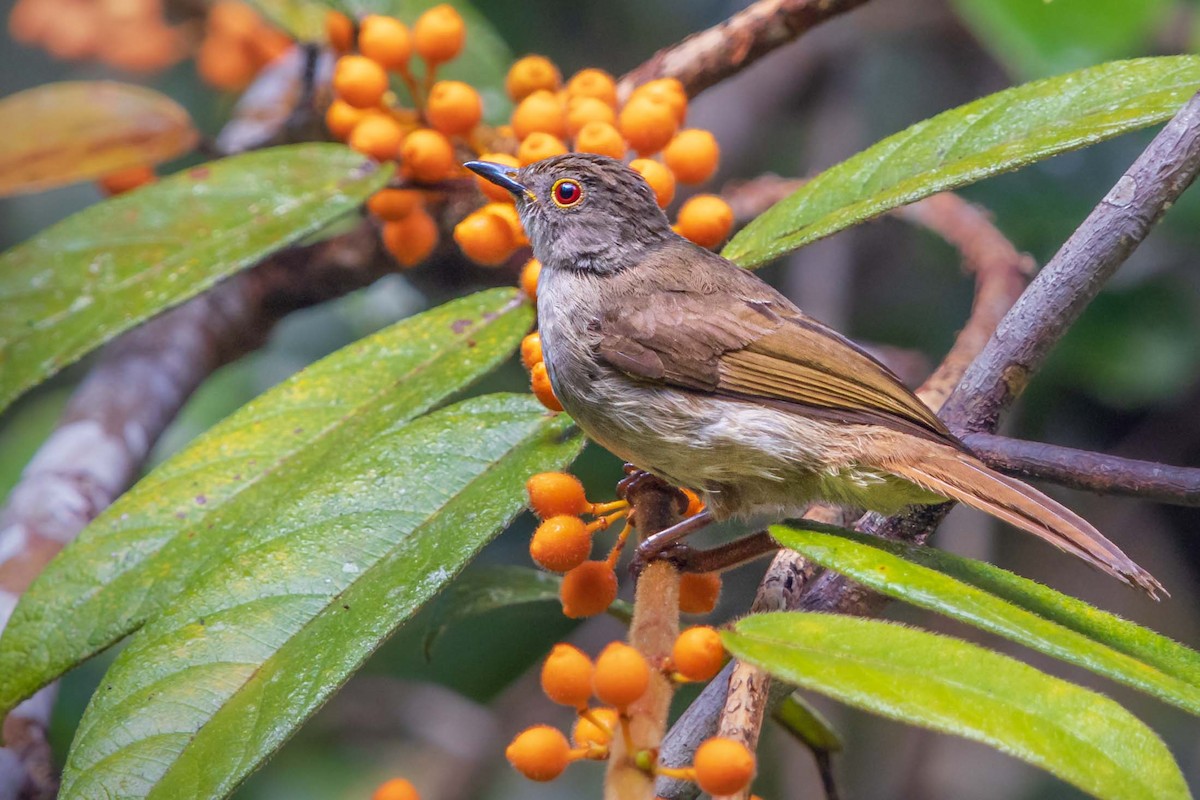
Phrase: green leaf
[102,271]
[490,589]
[60,133]
[955,687]
[995,134]
[143,549]
[303,19]
[304,593]
[807,724]
[1036,38]
[1013,607]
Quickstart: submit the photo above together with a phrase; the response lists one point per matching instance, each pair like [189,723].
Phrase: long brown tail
[960,476]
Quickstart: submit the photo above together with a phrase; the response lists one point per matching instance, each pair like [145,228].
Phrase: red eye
[566,192]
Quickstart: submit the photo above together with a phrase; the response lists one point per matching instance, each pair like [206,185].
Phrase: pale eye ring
[566,192]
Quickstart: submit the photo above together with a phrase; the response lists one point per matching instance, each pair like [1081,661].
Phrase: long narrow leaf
[304,593]
[136,555]
[995,134]
[1011,606]
[81,282]
[954,687]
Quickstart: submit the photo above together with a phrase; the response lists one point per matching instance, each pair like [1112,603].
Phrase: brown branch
[997,375]
[117,414]
[1089,471]
[710,56]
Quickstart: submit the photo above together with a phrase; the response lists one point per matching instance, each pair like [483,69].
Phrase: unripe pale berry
[530,74]
[540,112]
[438,34]
[531,353]
[554,493]
[428,155]
[567,676]
[621,675]
[588,590]
[692,155]
[705,219]
[723,766]
[698,592]
[359,81]
[560,543]
[661,179]
[539,382]
[698,653]
[453,107]
[540,753]
[385,40]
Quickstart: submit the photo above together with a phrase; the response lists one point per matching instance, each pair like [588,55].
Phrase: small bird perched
[692,368]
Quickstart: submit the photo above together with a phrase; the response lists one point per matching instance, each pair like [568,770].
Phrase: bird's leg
[654,546]
[729,555]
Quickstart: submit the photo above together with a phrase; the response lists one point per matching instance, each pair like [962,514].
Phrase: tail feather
[960,476]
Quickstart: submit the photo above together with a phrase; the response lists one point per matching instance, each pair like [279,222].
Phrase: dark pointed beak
[500,174]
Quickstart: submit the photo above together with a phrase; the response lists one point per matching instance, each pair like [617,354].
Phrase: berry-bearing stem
[653,631]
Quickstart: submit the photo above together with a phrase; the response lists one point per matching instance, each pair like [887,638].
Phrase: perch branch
[710,56]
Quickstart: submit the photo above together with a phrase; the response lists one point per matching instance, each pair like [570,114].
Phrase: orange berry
[529,278]
[428,155]
[665,90]
[341,117]
[150,47]
[540,112]
[410,240]
[586,732]
[694,505]
[692,155]
[225,63]
[126,180]
[540,753]
[705,219]
[269,44]
[555,493]
[359,81]
[531,353]
[723,766]
[622,675]
[490,190]
[582,110]
[567,676]
[647,124]
[530,74]
[560,543]
[396,789]
[439,33]
[485,238]
[75,32]
[698,592]
[507,212]
[377,135]
[600,138]
[391,205]
[588,590]
[595,83]
[453,107]
[339,30]
[537,146]
[698,653]
[233,20]
[539,382]
[385,41]
[661,179]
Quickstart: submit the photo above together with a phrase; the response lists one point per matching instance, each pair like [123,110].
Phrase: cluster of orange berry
[127,34]
[368,116]
[396,789]
[237,44]
[619,677]
[563,543]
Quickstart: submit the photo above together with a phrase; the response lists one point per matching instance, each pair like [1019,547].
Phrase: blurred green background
[1126,380]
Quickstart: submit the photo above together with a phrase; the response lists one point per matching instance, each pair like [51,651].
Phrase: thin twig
[710,56]
[1089,471]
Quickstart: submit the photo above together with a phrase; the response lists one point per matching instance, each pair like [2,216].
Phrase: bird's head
[582,211]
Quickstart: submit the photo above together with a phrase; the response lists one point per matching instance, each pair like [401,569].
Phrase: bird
[696,370]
